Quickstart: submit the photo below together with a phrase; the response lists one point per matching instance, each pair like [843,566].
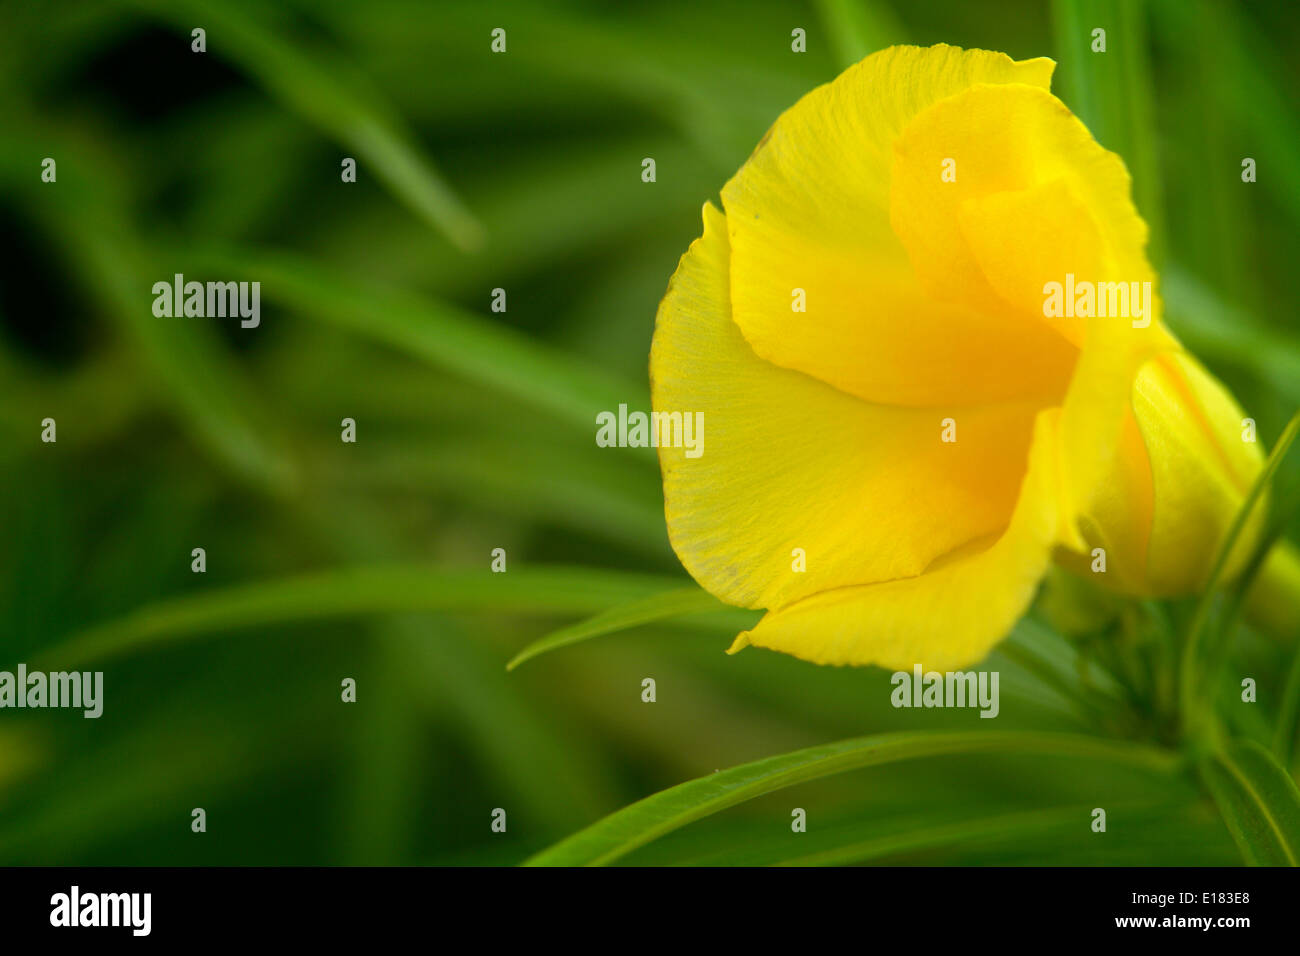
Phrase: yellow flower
[906,422]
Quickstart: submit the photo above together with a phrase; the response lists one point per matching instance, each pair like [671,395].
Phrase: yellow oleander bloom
[934,428]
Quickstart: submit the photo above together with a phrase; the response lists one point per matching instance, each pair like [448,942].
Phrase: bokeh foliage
[475,431]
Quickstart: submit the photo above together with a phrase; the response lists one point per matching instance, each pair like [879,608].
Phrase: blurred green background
[475,430]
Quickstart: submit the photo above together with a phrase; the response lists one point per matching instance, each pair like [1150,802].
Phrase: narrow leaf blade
[1259,802]
[355,592]
[656,607]
[638,824]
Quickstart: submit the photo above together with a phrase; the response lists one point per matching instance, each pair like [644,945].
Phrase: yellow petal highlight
[810,211]
[1201,472]
[1035,200]
[1172,492]
[868,492]
[1020,240]
[1093,435]
[942,620]
[1118,516]
[1035,197]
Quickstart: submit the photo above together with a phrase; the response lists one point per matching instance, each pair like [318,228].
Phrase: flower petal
[1201,471]
[869,492]
[1039,199]
[946,618]
[810,211]
[1177,483]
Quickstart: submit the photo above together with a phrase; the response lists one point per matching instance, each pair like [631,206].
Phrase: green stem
[1191,676]
[1284,732]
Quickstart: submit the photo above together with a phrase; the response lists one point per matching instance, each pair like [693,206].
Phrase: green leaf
[1056,663]
[19,755]
[1259,802]
[201,380]
[444,335]
[1284,730]
[1214,329]
[557,781]
[312,89]
[1113,94]
[88,214]
[1030,829]
[352,592]
[1258,72]
[657,607]
[856,28]
[533,478]
[671,809]
[1192,665]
